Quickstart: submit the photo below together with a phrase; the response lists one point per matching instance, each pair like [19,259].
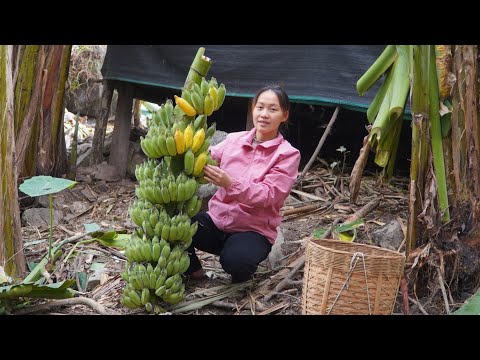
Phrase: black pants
[240,253]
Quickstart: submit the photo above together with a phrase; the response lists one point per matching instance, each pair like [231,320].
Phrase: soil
[106,204]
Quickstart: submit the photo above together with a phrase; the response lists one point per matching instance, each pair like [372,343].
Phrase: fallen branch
[363,211]
[444,293]
[199,303]
[308,195]
[274,308]
[65,302]
[224,305]
[302,209]
[357,171]
[320,144]
[420,307]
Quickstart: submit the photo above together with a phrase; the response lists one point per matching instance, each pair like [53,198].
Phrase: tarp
[316,74]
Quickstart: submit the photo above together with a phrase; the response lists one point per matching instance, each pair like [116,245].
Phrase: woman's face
[268,115]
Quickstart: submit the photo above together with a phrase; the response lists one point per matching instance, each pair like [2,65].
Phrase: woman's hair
[281,94]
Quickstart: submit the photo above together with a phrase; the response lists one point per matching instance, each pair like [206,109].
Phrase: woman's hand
[217,176]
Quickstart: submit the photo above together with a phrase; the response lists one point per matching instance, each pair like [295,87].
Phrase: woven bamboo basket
[350,279]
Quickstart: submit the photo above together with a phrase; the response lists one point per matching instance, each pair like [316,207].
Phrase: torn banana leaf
[59,290]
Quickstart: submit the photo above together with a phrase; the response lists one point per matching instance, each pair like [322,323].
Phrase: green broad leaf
[97,266]
[349,226]
[348,236]
[44,185]
[318,233]
[471,307]
[82,280]
[31,265]
[59,290]
[119,241]
[92,227]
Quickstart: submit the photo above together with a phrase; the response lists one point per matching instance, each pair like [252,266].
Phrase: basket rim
[358,245]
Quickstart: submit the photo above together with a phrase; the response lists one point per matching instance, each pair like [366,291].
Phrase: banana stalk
[199,68]
[378,99]
[417,166]
[384,61]
[437,146]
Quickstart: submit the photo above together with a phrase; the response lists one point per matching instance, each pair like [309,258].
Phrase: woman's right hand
[217,176]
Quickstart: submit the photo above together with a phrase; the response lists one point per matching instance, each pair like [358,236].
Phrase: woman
[255,173]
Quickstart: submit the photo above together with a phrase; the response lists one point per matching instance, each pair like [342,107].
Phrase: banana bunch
[141,210]
[166,189]
[179,137]
[164,116]
[201,99]
[159,142]
[146,170]
[176,229]
[146,284]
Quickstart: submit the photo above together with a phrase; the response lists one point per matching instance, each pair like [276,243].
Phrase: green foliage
[45,185]
[471,307]
[344,232]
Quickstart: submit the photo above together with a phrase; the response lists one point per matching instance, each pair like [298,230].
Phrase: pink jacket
[262,179]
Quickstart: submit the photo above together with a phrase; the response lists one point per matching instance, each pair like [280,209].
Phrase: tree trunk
[11,247]
[40,72]
[96,156]
[465,133]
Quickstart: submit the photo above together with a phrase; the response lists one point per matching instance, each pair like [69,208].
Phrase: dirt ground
[106,204]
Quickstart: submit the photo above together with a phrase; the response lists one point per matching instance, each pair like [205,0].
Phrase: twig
[320,144]
[444,293]
[70,239]
[363,211]
[308,195]
[65,302]
[420,307]
[301,209]
[224,305]
[110,251]
[273,308]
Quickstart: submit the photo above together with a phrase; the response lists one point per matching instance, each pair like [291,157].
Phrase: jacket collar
[248,137]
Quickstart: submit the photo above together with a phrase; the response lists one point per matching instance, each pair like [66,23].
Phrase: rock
[135,157]
[84,94]
[78,207]
[84,178]
[88,194]
[107,172]
[57,201]
[205,193]
[96,278]
[218,137]
[40,217]
[102,186]
[389,236]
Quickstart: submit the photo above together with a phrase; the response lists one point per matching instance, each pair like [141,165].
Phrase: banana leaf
[59,290]
[471,306]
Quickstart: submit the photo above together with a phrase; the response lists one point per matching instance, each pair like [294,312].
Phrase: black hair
[281,94]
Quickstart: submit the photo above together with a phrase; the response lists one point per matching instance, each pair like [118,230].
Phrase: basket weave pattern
[337,275]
